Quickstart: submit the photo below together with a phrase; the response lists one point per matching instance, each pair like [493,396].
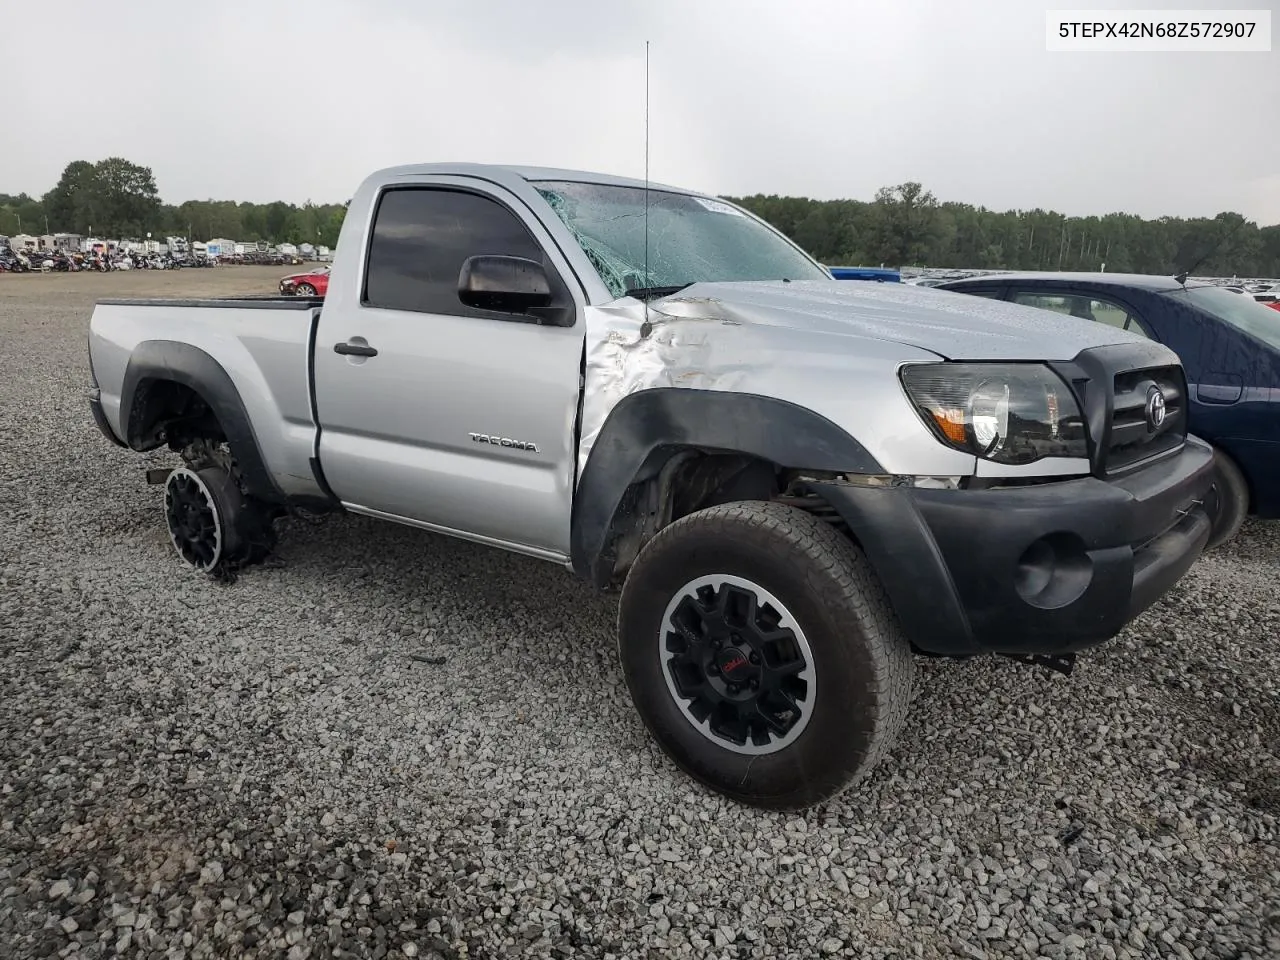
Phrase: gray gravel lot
[387,743]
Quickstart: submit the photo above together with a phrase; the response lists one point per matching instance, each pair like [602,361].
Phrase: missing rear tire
[213,526]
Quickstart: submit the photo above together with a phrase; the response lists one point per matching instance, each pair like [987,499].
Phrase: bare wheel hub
[192,514]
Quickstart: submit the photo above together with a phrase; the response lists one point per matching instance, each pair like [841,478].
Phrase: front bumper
[1048,568]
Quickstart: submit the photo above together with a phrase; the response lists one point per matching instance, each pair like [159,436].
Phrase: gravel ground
[387,743]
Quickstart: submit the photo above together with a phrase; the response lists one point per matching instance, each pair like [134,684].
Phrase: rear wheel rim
[737,664]
[195,528]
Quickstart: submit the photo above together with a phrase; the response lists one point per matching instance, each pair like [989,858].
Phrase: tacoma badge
[504,442]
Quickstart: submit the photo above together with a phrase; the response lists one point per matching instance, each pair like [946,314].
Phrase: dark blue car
[1229,345]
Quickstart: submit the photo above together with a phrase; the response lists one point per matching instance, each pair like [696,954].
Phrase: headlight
[1007,412]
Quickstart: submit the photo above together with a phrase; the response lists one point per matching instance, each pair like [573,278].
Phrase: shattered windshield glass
[691,239]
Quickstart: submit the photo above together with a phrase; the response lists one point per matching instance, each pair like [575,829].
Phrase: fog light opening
[1054,571]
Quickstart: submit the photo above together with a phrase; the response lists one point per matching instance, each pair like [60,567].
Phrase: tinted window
[420,240]
[1243,313]
[991,293]
[1086,308]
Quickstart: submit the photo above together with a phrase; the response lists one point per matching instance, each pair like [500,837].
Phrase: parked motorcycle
[17,263]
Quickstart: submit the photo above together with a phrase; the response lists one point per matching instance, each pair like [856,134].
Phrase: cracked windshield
[691,239]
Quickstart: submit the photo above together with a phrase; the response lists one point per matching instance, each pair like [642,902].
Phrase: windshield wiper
[649,293]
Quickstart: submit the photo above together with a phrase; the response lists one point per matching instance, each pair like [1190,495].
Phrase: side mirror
[508,284]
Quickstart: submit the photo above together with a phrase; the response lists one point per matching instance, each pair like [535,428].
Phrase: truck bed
[269,301]
[263,345]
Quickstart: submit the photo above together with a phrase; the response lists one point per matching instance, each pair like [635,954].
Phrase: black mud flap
[1062,663]
[159,475]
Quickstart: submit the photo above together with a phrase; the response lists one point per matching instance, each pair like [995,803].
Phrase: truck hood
[955,326]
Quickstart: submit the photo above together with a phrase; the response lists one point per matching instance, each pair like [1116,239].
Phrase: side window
[420,239]
[1086,308]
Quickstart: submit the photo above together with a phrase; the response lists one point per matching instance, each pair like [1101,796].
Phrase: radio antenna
[647,280]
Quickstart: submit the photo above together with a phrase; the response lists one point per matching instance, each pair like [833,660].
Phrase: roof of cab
[500,172]
[1142,281]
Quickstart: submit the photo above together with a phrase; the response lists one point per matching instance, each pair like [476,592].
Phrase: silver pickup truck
[799,483]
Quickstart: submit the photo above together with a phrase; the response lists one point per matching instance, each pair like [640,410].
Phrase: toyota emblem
[1156,410]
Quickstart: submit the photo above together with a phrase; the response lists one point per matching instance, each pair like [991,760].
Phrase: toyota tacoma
[799,484]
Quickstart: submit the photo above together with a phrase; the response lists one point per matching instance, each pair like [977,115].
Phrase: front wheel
[1233,501]
[762,654]
[305,290]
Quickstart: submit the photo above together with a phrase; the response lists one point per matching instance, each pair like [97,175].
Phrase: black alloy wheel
[738,664]
[762,653]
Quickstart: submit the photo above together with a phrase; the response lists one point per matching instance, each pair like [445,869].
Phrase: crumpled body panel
[834,348]
[697,343]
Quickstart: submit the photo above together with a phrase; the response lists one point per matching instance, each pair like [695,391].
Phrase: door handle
[348,349]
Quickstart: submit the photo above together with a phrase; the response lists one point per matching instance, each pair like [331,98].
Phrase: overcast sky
[262,100]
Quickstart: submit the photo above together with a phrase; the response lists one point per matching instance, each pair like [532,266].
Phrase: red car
[313,283]
[1274,304]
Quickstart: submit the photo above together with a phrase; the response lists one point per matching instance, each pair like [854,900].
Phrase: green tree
[21,214]
[70,203]
[127,194]
[332,225]
[905,223]
[113,197]
[276,221]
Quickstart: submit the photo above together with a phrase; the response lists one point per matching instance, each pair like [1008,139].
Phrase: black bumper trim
[1163,561]
[955,562]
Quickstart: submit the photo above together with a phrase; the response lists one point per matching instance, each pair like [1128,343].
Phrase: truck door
[444,415]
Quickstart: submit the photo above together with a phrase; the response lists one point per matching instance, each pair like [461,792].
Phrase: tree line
[117,199]
[904,225]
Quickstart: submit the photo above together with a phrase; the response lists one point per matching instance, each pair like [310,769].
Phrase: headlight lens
[989,413]
[1012,413]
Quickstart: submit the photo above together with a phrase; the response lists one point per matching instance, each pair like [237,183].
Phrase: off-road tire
[1233,501]
[244,530]
[862,666]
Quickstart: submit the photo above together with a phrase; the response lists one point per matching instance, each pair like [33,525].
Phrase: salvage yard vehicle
[311,283]
[876,274]
[1229,346]
[797,482]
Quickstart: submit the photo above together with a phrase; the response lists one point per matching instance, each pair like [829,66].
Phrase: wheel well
[674,482]
[165,411]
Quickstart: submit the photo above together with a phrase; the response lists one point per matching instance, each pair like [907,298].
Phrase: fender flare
[158,360]
[643,423]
